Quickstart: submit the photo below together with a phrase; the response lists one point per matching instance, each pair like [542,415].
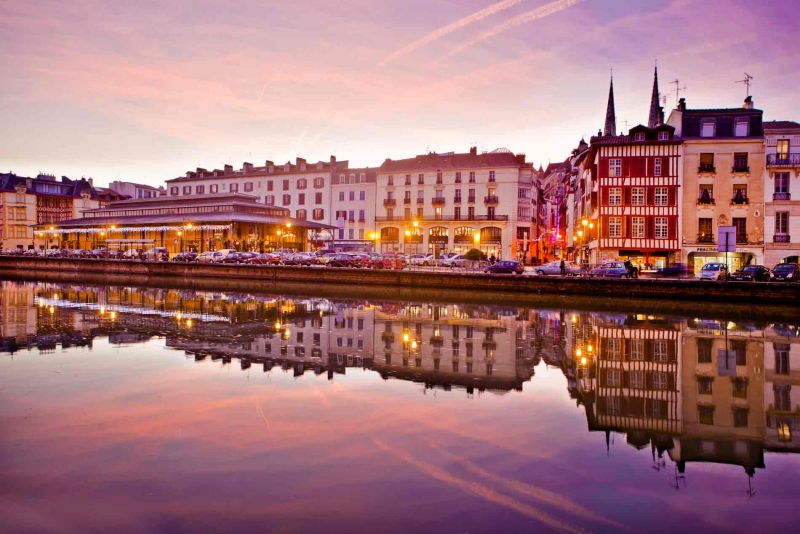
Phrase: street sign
[726,241]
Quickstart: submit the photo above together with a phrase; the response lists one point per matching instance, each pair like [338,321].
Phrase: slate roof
[434,161]
[781,125]
[73,188]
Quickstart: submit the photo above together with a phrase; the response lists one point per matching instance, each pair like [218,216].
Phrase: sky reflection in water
[129,410]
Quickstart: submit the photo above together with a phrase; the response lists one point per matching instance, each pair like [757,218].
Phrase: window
[657,167]
[636,349]
[782,183]
[706,415]
[200,189]
[705,385]
[187,190]
[287,199]
[782,149]
[742,127]
[637,196]
[439,180]
[286,185]
[659,380]
[351,234]
[341,196]
[613,348]
[302,183]
[704,347]
[706,162]
[637,227]
[234,188]
[361,233]
[421,179]
[269,185]
[301,199]
[173,191]
[457,213]
[214,188]
[661,196]
[362,215]
[662,231]
[615,196]
[420,195]
[458,177]
[390,180]
[705,230]
[739,194]
[351,179]
[639,136]
[317,198]
[740,223]
[663,136]
[269,200]
[318,214]
[740,162]
[319,182]
[706,195]
[615,168]
[491,176]
[782,358]
[472,177]
[740,418]
[612,378]
[248,186]
[362,195]
[351,215]
[471,213]
[408,179]
[637,380]
[362,177]
[352,196]
[660,353]
[707,128]
[615,227]
[301,214]
[457,198]
[782,222]
[612,405]
[739,387]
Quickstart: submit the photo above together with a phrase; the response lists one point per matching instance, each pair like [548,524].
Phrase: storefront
[699,256]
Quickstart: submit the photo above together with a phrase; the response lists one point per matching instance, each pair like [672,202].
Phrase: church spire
[655,109]
[611,116]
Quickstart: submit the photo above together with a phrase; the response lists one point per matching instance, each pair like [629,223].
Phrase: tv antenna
[678,90]
[748,80]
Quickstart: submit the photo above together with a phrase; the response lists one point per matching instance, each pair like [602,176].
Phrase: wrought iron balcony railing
[781,196]
[389,202]
[781,238]
[783,160]
[704,167]
[491,199]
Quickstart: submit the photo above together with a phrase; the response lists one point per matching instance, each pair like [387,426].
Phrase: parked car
[611,269]
[714,271]
[342,260]
[554,269]
[267,258]
[81,253]
[221,255]
[785,272]
[507,267]
[451,260]
[205,257]
[752,273]
[238,257]
[157,254]
[421,259]
[100,253]
[302,259]
[131,254]
[185,257]
[675,270]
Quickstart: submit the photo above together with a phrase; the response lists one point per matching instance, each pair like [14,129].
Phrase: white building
[353,209]
[782,192]
[459,202]
[134,190]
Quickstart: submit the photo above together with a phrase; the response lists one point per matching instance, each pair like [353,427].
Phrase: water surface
[127,409]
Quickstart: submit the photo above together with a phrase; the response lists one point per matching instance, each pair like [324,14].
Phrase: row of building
[656,194]
[696,390]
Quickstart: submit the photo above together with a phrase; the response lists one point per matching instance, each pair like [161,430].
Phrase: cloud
[441,32]
[535,14]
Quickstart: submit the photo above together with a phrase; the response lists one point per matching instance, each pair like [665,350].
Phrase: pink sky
[146,90]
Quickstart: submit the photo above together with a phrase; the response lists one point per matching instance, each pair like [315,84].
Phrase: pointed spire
[653,119]
[611,116]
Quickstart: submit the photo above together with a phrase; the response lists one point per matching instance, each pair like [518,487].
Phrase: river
[136,409]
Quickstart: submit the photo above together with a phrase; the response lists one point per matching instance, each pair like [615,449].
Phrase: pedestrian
[492,259]
[563,267]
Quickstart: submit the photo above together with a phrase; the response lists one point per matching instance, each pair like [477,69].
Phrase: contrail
[530,16]
[441,32]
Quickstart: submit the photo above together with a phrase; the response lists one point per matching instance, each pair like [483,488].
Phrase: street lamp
[374,238]
[476,237]
[180,235]
[405,242]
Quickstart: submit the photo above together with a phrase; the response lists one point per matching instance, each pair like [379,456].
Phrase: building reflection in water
[692,390]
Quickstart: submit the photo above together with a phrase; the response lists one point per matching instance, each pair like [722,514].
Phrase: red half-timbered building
[637,177]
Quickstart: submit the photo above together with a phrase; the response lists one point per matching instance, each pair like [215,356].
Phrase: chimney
[748,103]
[473,151]
[91,182]
[333,161]
[228,169]
[682,104]
[520,159]
[300,161]
[247,168]
[201,172]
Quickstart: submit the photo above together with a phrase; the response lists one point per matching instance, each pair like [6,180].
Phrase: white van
[221,254]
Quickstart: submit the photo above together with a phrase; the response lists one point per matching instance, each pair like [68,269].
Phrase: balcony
[705,239]
[741,239]
[740,200]
[783,160]
[437,341]
[389,202]
[438,201]
[705,167]
[457,200]
[420,200]
[740,168]
[407,201]
[387,336]
[705,201]
[781,238]
[781,196]
[471,200]
[491,199]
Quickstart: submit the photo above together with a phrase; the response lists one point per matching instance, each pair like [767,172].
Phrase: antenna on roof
[748,80]
[678,90]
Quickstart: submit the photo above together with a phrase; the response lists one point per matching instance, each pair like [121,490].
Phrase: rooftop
[270,168]
[468,160]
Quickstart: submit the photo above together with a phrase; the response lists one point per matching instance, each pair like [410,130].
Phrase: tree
[474,255]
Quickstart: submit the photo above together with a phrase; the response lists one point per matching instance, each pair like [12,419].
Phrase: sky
[145,91]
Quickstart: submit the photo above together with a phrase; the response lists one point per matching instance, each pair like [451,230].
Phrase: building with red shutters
[636,179]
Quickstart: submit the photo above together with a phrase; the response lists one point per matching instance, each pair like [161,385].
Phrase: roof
[278,169]
[185,200]
[180,219]
[781,125]
[724,120]
[40,184]
[469,160]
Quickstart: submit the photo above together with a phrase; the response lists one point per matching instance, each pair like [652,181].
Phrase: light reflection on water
[141,409]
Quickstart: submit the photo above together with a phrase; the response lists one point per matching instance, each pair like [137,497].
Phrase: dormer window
[302,166]
[742,128]
[663,136]
[707,128]
[639,136]
[271,169]
[287,167]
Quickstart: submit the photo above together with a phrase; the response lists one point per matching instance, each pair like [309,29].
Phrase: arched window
[491,234]
[464,234]
[416,235]
[390,235]
[438,234]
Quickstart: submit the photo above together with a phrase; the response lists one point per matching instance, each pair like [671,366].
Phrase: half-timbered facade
[637,178]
